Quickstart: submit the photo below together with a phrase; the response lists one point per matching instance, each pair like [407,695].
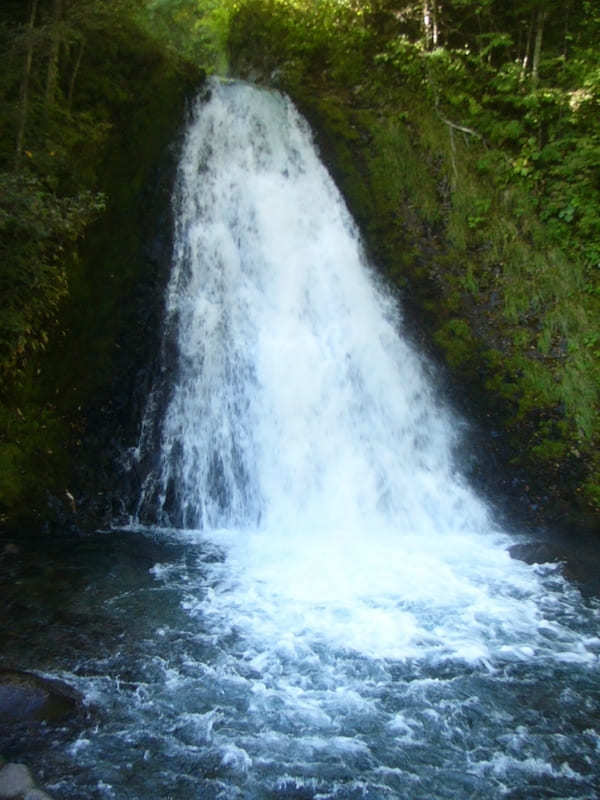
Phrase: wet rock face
[25,697]
[576,550]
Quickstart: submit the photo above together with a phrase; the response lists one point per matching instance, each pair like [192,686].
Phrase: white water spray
[297,403]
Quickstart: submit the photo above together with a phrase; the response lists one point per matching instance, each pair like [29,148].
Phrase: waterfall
[302,432]
[335,614]
[296,402]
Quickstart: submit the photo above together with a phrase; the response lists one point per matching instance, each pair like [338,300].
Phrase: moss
[549,450]
[457,342]
[33,454]
[12,466]
[591,493]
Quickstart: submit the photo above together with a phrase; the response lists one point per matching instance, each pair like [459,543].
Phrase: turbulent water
[316,605]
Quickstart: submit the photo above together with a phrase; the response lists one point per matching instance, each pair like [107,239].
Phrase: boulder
[15,781]
[26,697]
[536,552]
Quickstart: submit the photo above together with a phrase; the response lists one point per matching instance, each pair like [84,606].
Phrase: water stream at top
[342,619]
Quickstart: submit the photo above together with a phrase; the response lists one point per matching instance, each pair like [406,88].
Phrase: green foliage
[457,341]
[301,40]
[405,57]
[192,29]
[86,152]
[37,231]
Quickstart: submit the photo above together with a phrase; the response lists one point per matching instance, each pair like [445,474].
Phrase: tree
[430,24]
[541,15]
[24,93]
[55,43]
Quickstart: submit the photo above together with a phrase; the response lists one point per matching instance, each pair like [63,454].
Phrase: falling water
[297,406]
[336,614]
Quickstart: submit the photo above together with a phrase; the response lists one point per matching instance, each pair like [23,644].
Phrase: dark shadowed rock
[577,555]
[25,697]
[536,553]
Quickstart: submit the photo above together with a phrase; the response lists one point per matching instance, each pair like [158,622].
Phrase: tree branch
[456,127]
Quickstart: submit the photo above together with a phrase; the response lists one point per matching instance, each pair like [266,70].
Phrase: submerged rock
[15,781]
[25,697]
[37,794]
[536,553]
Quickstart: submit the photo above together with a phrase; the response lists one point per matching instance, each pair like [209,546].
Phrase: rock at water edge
[15,781]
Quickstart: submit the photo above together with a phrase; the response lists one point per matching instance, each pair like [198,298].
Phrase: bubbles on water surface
[252,710]
[209,697]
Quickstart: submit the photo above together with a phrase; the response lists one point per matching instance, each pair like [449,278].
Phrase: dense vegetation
[463,136]
[89,100]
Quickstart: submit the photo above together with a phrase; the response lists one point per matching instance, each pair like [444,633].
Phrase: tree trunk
[526,49]
[55,42]
[24,93]
[75,73]
[435,23]
[430,24]
[566,31]
[537,48]
[427,25]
